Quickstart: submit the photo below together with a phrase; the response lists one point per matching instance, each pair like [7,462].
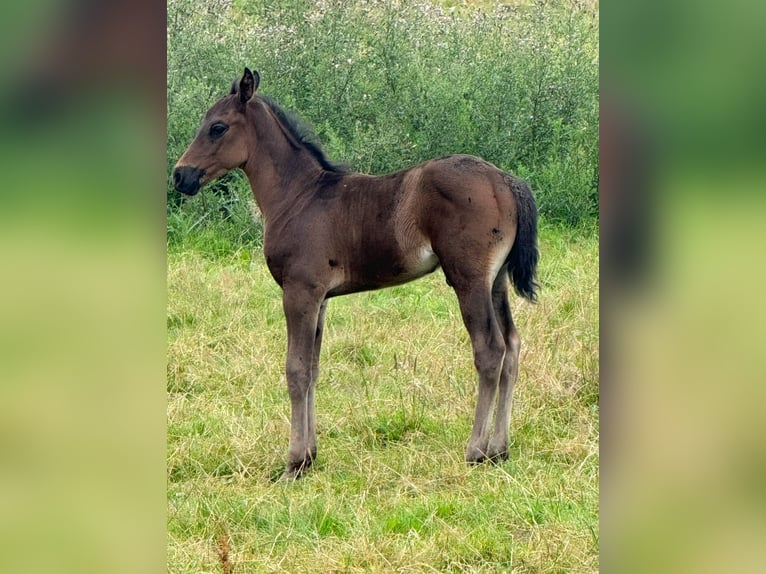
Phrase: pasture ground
[390,491]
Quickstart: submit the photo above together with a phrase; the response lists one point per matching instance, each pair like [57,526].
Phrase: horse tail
[522,260]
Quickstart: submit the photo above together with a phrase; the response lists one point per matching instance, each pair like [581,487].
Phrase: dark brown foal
[329,232]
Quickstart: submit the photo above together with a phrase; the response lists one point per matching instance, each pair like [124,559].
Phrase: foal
[329,231]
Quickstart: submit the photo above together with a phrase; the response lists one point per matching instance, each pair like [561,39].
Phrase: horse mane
[305,136]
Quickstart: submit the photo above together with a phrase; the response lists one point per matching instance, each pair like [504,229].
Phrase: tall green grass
[390,491]
[390,83]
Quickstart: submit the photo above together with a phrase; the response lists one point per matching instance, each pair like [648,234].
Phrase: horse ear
[233,88]
[247,85]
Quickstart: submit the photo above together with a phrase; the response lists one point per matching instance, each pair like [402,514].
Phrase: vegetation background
[390,83]
[386,84]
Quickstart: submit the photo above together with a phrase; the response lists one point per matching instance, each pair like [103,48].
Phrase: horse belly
[384,269]
[399,267]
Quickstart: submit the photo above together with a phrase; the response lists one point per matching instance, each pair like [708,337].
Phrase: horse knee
[298,378]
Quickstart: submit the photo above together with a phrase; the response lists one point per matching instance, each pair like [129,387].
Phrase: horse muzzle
[186,179]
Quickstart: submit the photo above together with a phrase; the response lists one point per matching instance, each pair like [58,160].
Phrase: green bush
[390,83]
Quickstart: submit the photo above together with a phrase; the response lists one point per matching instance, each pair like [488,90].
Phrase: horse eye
[218,129]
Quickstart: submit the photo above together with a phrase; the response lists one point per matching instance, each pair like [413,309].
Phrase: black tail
[522,260]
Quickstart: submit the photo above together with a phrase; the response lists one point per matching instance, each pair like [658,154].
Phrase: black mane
[305,135]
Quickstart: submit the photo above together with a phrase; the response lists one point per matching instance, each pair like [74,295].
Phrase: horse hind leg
[488,351]
[498,444]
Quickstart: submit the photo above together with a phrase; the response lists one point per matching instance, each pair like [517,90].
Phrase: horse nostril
[186,179]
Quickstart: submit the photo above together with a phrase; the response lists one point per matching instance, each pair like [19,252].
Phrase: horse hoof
[292,473]
[498,457]
[295,470]
[497,452]
[475,456]
[290,476]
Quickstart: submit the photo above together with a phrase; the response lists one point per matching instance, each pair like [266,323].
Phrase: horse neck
[280,170]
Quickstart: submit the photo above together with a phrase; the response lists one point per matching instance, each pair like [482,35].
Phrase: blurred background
[82,243]
[682,236]
[82,238]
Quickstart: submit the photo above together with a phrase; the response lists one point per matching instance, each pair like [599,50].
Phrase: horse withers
[329,231]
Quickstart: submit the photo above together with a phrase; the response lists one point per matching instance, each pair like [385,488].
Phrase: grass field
[390,491]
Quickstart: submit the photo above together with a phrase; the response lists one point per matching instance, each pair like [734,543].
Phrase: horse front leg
[302,311]
[312,440]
